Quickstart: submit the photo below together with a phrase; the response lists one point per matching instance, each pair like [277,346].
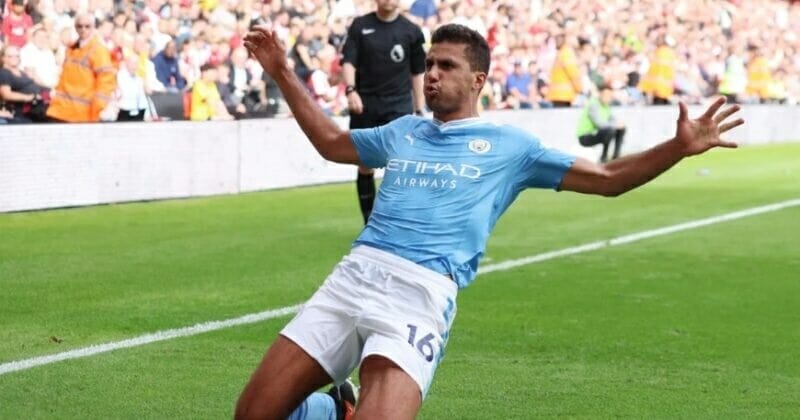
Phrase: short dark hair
[477,50]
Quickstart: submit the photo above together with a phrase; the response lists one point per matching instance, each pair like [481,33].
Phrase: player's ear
[478,80]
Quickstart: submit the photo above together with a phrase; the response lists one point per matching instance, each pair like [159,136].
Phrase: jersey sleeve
[418,52]
[370,145]
[350,48]
[543,167]
[373,145]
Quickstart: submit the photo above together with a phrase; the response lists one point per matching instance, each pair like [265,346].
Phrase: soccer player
[389,304]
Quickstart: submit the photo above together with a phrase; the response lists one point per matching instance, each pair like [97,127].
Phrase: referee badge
[480,146]
[397,53]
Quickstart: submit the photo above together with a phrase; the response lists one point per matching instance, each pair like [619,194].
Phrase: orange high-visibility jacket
[660,78]
[87,84]
[565,77]
[758,78]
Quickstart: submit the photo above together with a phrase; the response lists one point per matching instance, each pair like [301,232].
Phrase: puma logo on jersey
[367,31]
[410,139]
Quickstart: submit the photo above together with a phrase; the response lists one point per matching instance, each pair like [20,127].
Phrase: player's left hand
[701,134]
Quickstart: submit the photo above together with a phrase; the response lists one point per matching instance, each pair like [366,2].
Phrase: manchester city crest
[480,146]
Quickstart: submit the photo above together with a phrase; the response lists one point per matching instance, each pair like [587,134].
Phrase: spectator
[118,45]
[536,88]
[496,96]
[168,68]
[146,69]
[33,8]
[517,85]
[131,96]
[206,101]
[162,36]
[275,103]
[329,97]
[597,125]
[302,51]
[233,103]
[16,24]
[631,93]
[423,9]
[20,93]
[87,81]
[565,76]
[338,34]
[105,31]
[659,82]
[260,15]
[759,76]
[38,60]
[190,60]
[62,45]
[244,87]
[776,88]
[467,15]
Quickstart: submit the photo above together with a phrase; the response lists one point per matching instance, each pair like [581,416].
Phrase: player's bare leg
[387,392]
[286,376]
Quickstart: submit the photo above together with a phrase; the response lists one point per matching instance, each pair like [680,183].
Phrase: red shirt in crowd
[15,29]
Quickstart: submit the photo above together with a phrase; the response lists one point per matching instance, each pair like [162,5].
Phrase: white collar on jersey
[457,123]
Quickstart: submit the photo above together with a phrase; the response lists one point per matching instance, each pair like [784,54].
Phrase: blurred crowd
[544,53]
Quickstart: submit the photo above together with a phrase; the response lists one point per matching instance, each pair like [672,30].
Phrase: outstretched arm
[692,137]
[331,142]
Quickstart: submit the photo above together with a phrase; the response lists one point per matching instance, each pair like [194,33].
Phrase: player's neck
[387,17]
[456,115]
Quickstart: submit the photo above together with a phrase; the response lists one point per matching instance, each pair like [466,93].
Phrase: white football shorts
[376,303]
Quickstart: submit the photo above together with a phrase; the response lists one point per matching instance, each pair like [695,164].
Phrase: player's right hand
[264,45]
[354,104]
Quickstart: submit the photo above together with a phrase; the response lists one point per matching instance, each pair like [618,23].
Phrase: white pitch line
[634,237]
[277,313]
[147,339]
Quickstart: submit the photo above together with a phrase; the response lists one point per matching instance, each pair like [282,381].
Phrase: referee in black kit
[383,63]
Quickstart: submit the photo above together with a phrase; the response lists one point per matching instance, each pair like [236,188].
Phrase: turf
[702,323]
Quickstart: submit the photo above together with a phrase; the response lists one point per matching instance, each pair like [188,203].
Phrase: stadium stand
[686,50]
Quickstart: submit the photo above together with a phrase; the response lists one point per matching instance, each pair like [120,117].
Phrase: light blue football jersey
[446,184]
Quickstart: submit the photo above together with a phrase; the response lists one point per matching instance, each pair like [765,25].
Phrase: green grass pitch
[698,324]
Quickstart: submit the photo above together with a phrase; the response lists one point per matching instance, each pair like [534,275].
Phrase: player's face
[450,83]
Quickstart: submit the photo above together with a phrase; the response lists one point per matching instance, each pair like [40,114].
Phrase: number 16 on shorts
[424,345]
